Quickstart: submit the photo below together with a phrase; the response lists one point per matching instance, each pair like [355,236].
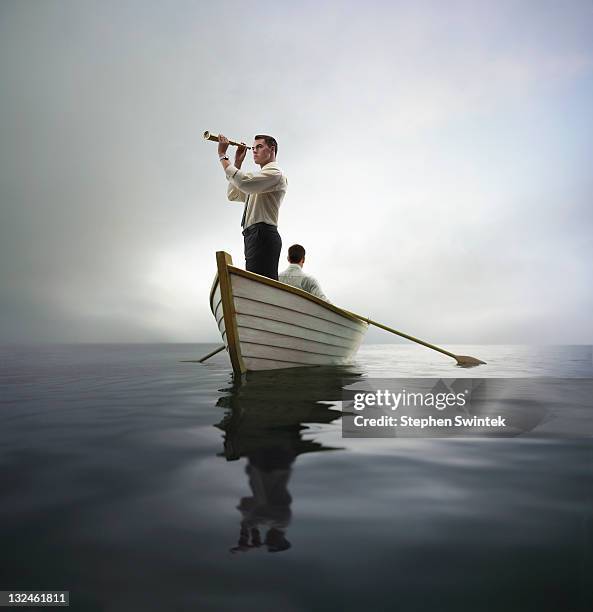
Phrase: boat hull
[268,325]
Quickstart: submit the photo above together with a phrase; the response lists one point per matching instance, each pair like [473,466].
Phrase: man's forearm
[226,163]
[223,145]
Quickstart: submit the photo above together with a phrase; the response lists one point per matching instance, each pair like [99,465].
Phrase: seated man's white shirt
[294,276]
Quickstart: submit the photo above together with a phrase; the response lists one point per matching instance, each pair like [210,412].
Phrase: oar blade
[465,361]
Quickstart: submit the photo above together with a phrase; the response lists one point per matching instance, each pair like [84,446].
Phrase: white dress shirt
[294,275]
[262,191]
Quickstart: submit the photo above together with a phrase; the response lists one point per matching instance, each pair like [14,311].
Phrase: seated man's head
[296,254]
[265,149]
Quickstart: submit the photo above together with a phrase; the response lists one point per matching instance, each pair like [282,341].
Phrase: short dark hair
[270,141]
[296,253]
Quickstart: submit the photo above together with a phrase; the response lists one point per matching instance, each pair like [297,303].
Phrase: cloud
[444,149]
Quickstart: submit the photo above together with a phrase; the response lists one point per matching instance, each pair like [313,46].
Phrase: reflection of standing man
[269,470]
[262,193]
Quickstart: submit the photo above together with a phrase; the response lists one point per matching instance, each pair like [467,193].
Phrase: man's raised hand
[223,144]
[240,154]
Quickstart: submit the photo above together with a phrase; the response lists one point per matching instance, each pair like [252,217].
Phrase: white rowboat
[267,325]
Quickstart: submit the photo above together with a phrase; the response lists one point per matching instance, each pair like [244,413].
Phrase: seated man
[294,275]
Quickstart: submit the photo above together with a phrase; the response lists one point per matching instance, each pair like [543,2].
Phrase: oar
[202,359]
[462,360]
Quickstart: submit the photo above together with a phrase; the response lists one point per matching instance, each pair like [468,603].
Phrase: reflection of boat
[274,406]
[268,414]
[268,325]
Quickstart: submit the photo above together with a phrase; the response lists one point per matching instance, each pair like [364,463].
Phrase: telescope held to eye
[214,137]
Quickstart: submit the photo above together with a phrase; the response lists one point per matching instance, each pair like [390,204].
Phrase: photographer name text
[404,399]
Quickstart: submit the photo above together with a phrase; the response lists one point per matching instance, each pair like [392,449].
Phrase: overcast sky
[439,161]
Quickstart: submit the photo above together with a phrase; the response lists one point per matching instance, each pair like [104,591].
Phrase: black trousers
[262,249]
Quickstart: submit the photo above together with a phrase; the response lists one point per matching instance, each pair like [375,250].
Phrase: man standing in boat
[262,192]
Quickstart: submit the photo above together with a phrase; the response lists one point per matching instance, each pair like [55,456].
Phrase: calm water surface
[139,482]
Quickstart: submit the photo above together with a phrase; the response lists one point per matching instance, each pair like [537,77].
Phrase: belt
[262,225]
